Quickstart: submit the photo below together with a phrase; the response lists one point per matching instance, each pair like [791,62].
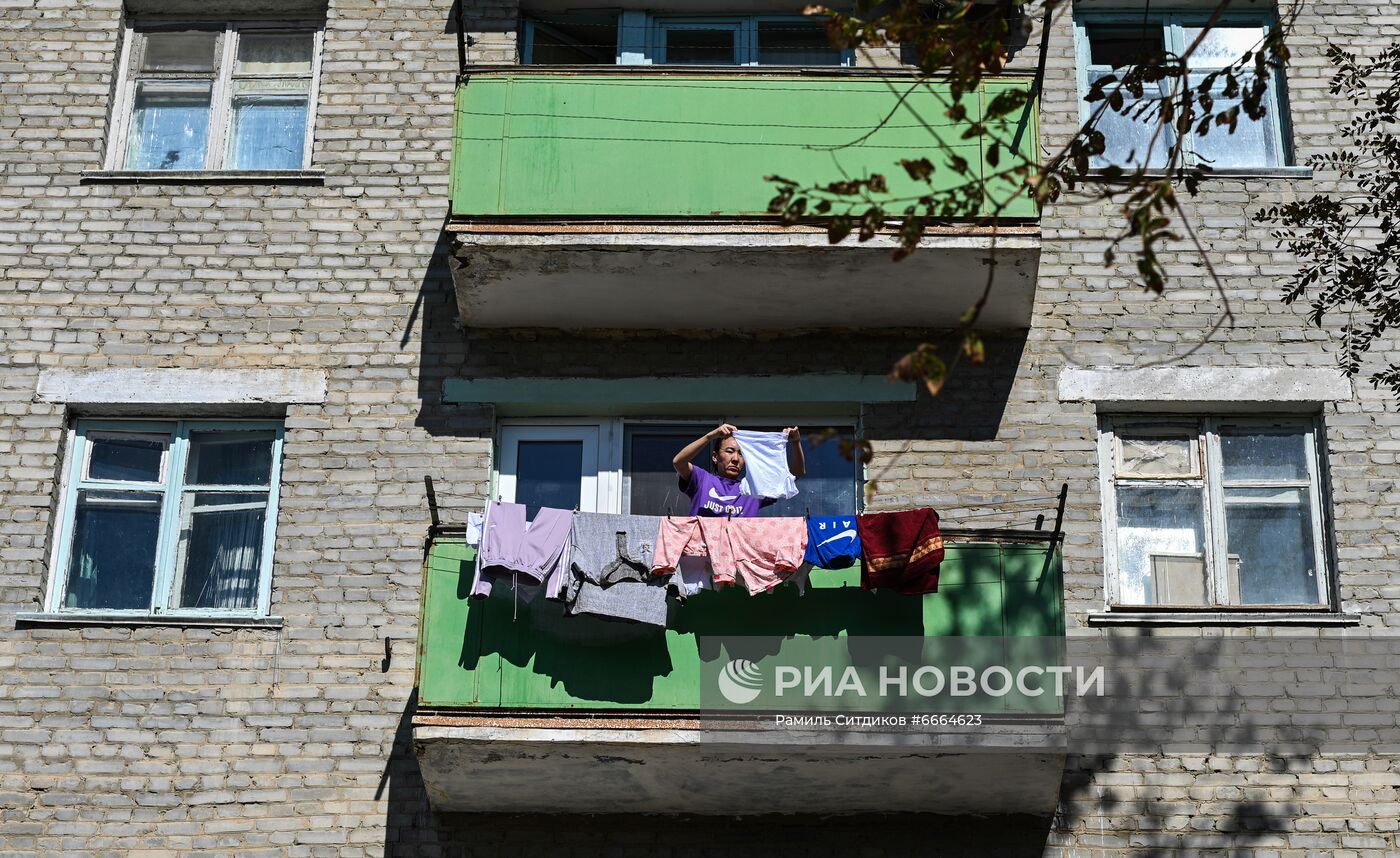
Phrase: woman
[717,493]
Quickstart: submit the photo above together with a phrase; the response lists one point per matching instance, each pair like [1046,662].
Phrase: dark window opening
[795,43]
[704,47]
[1120,46]
[573,40]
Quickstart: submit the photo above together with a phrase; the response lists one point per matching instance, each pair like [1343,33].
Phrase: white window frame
[1205,432]
[597,492]
[613,486]
[171,486]
[1172,25]
[221,95]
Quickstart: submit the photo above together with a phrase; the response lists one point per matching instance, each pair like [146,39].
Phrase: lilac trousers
[509,544]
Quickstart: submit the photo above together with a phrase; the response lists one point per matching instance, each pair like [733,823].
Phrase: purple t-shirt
[715,496]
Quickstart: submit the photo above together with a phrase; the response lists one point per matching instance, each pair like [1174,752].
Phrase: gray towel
[611,565]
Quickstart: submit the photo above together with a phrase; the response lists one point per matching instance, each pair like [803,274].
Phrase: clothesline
[1021,506]
[624,567]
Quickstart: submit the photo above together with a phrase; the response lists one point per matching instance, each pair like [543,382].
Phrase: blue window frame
[1109,42]
[168,517]
[637,37]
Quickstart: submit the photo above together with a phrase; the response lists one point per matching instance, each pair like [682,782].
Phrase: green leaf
[974,348]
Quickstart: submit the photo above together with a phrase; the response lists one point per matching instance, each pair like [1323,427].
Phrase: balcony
[606,198]
[536,142]
[520,705]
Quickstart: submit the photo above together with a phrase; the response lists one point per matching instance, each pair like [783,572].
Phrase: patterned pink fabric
[760,553]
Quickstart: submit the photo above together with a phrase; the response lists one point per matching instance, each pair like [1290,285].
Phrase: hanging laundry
[901,551]
[510,546]
[759,553]
[475,520]
[766,471]
[832,541]
[610,562]
[693,574]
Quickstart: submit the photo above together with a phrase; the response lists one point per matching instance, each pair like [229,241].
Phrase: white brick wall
[167,740]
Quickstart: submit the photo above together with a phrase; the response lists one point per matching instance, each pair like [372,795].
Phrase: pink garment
[760,553]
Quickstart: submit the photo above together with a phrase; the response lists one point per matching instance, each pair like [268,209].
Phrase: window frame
[614,483]
[1212,484]
[1172,24]
[650,47]
[222,88]
[172,489]
[661,25]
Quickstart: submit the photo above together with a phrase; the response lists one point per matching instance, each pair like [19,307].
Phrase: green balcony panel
[534,142]
[504,652]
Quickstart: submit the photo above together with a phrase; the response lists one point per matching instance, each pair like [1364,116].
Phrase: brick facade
[153,740]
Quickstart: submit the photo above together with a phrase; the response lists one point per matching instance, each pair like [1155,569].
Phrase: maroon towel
[900,551]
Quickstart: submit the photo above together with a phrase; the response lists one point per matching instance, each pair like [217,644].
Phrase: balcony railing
[507,654]
[540,142]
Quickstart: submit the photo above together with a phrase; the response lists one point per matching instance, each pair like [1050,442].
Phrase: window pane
[575,41]
[653,487]
[1161,546]
[1158,457]
[268,133]
[829,487]
[274,53]
[230,458]
[126,457]
[1251,144]
[1222,45]
[1261,455]
[169,126]
[1128,134]
[549,473]
[1272,560]
[113,556]
[222,550]
[700,47]
[1118,46]
[795,43]
[189,51]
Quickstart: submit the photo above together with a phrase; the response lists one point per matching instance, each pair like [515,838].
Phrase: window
[700,42]
[575,39]
[625,466]
[1109,43]
[641,38]
[169,517]
[1213,513]
[216,97]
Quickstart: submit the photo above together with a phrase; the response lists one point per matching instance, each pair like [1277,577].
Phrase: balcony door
[553,466]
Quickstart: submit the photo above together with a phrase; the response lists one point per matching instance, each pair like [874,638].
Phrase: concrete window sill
[45,618]
[1223,618]
[204,177]
[1222,173]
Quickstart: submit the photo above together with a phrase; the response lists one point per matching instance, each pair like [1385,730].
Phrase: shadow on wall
[442,351]
[972,407]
